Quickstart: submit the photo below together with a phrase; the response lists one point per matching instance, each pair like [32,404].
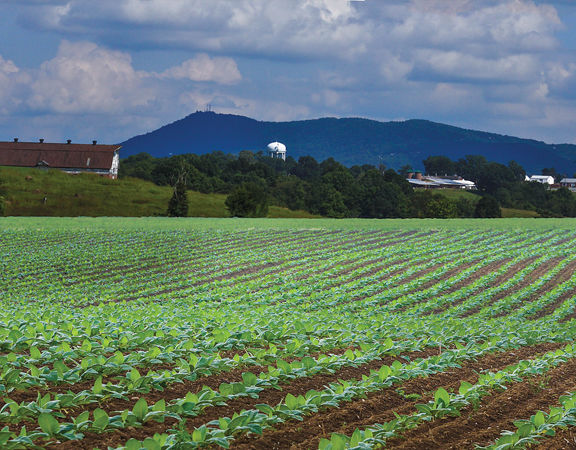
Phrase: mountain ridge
[350,141]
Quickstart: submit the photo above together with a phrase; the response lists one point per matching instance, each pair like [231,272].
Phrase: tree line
[253,180]
[505,183]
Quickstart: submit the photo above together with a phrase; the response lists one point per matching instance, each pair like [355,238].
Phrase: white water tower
[277,150]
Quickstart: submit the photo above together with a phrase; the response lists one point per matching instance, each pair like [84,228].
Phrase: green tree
[381,199]
[248,200]
[439,165]
[487,207]
[178,204]
[439,207]
[465,207]
[562,202]
[436,206]
[342,181]
[471,167]
[517,170]
[138,166]
[290,191]
[325,200]
[307,169]
[494,176]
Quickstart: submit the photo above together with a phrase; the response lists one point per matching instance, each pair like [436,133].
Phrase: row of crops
[304,338]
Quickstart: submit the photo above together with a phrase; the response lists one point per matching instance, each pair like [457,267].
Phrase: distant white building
[569,183]
[455,182]
[544,179]
[277,150]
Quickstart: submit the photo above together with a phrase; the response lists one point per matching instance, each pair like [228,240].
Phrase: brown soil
[378,407]
[528,279]
[428,284]
[564,440]
[539,242]
[352,268]
[564,241]
[447,275]
[561,277]
[408,279]
[370,272]
[155,262]
[378,280]
[569,317]
[212,381]
[496,413]
[443,277]
[554,305]
[342,281]
[269,396]
[484,271]
[564,275]
[246,271]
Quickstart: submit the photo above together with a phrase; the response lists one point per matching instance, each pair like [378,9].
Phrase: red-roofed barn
[71,158]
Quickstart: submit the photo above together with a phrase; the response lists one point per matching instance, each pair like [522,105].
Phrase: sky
[113,69]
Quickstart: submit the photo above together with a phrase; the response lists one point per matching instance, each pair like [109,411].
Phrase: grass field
[259,334]
[33,192]
[455,194]
[518,213]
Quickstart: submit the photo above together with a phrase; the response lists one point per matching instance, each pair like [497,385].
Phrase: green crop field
[276,334]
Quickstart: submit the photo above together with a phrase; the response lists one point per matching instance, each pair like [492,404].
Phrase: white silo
[277,150]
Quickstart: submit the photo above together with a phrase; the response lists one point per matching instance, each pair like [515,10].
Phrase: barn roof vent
[69,141]
[41,141]
[15,139]
[94,142]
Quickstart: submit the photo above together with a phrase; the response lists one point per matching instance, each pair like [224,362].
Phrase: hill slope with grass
[33,192]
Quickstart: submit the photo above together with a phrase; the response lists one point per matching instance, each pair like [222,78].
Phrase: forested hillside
[350,141]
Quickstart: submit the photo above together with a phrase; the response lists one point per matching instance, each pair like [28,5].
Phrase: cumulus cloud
[86,80]
[12,82]
[84,77]
[475,63]
[7,67]
[204,68]
[298,28]
[458,66]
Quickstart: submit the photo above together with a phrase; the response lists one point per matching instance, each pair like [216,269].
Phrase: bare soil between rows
[565,274]
[31,394]
[379,406]
[564,440]
[528,280]
[495,414]
[270,396]
[484,271]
